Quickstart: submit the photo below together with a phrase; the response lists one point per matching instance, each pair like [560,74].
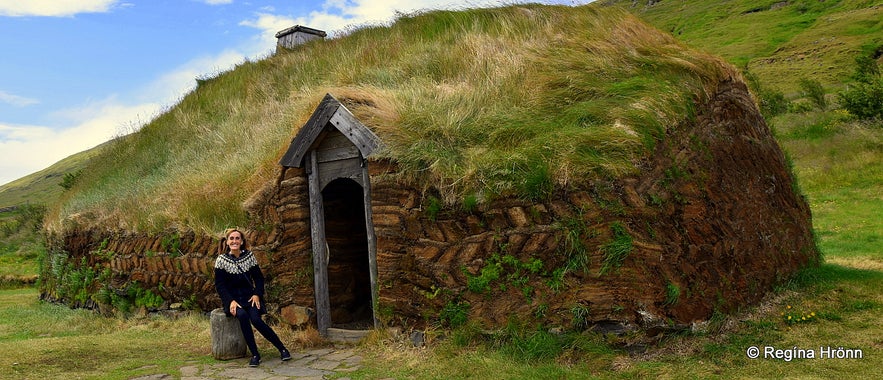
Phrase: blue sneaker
[255,360]
[285,355]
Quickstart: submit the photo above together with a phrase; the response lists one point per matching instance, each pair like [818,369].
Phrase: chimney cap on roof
[302,29]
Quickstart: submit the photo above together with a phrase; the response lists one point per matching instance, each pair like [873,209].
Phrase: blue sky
[74,74]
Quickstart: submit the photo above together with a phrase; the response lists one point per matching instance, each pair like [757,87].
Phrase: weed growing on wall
[616,250]
[455,313]
[580,317]
[432,207]
[574,249]
[80,284]
[490,273]
[672,293]
[502,272]
[171,244]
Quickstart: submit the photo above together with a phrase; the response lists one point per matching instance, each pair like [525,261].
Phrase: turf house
[570,166]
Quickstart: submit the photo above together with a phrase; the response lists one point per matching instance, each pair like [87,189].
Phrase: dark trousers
[249,316]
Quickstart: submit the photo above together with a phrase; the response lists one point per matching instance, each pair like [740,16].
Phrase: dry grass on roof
[509,101]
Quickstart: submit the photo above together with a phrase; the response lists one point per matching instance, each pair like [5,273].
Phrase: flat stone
[320,351]
[353,360]
[300,372]
[303,362]
[246,373]
[189,371]
[339,355]
[329,365]
[161,376]
[315,364]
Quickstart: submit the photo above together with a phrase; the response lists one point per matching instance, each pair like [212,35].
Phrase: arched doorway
[333,147]
[349,276]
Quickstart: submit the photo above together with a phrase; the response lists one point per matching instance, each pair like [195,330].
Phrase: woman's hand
[255,301]
[233,306]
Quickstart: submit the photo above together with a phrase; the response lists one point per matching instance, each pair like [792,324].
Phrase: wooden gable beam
[329,112]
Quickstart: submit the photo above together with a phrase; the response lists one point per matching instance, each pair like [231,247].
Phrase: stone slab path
[312,364]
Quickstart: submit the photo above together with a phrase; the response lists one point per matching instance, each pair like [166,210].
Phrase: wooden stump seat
[227,340]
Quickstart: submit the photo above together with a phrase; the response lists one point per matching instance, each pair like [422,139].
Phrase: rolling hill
[779,42]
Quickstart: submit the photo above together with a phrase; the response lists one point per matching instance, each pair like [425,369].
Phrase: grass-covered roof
[509,101]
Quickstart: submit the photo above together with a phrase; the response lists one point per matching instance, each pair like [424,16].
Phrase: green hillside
[22,207]
[779,41]
[44,187]
[838,161]
[510,101]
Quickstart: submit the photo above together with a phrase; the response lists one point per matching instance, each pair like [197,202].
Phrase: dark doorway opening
[349,276]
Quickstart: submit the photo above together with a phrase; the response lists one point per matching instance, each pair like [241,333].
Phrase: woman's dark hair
[229,231]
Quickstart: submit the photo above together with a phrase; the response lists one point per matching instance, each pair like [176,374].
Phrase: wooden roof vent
[296,35]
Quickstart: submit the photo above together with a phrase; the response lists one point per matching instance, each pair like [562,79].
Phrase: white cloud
[381,11]
[171,86]
[53,8]
[217,2]
[269,24]
[25,149]
[29,148]
[337,15]
[15,100]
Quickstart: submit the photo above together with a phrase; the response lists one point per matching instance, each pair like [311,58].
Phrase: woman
[240,283]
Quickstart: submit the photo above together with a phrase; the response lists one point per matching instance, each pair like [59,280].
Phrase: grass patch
[20,245]
[43,341]
[842,176]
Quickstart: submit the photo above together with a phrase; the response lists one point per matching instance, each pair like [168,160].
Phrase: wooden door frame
[320,250]
[329,117]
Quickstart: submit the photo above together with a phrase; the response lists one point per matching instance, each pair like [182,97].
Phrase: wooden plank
[337,154]
[349,168]
[372,241]
[304,139]
[355,131]
[334,139]
[320,254]
[335,146]
[329,111]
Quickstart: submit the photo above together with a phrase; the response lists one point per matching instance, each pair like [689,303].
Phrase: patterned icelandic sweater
[238,279]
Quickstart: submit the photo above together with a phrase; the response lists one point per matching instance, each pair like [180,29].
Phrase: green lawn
[44,341]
